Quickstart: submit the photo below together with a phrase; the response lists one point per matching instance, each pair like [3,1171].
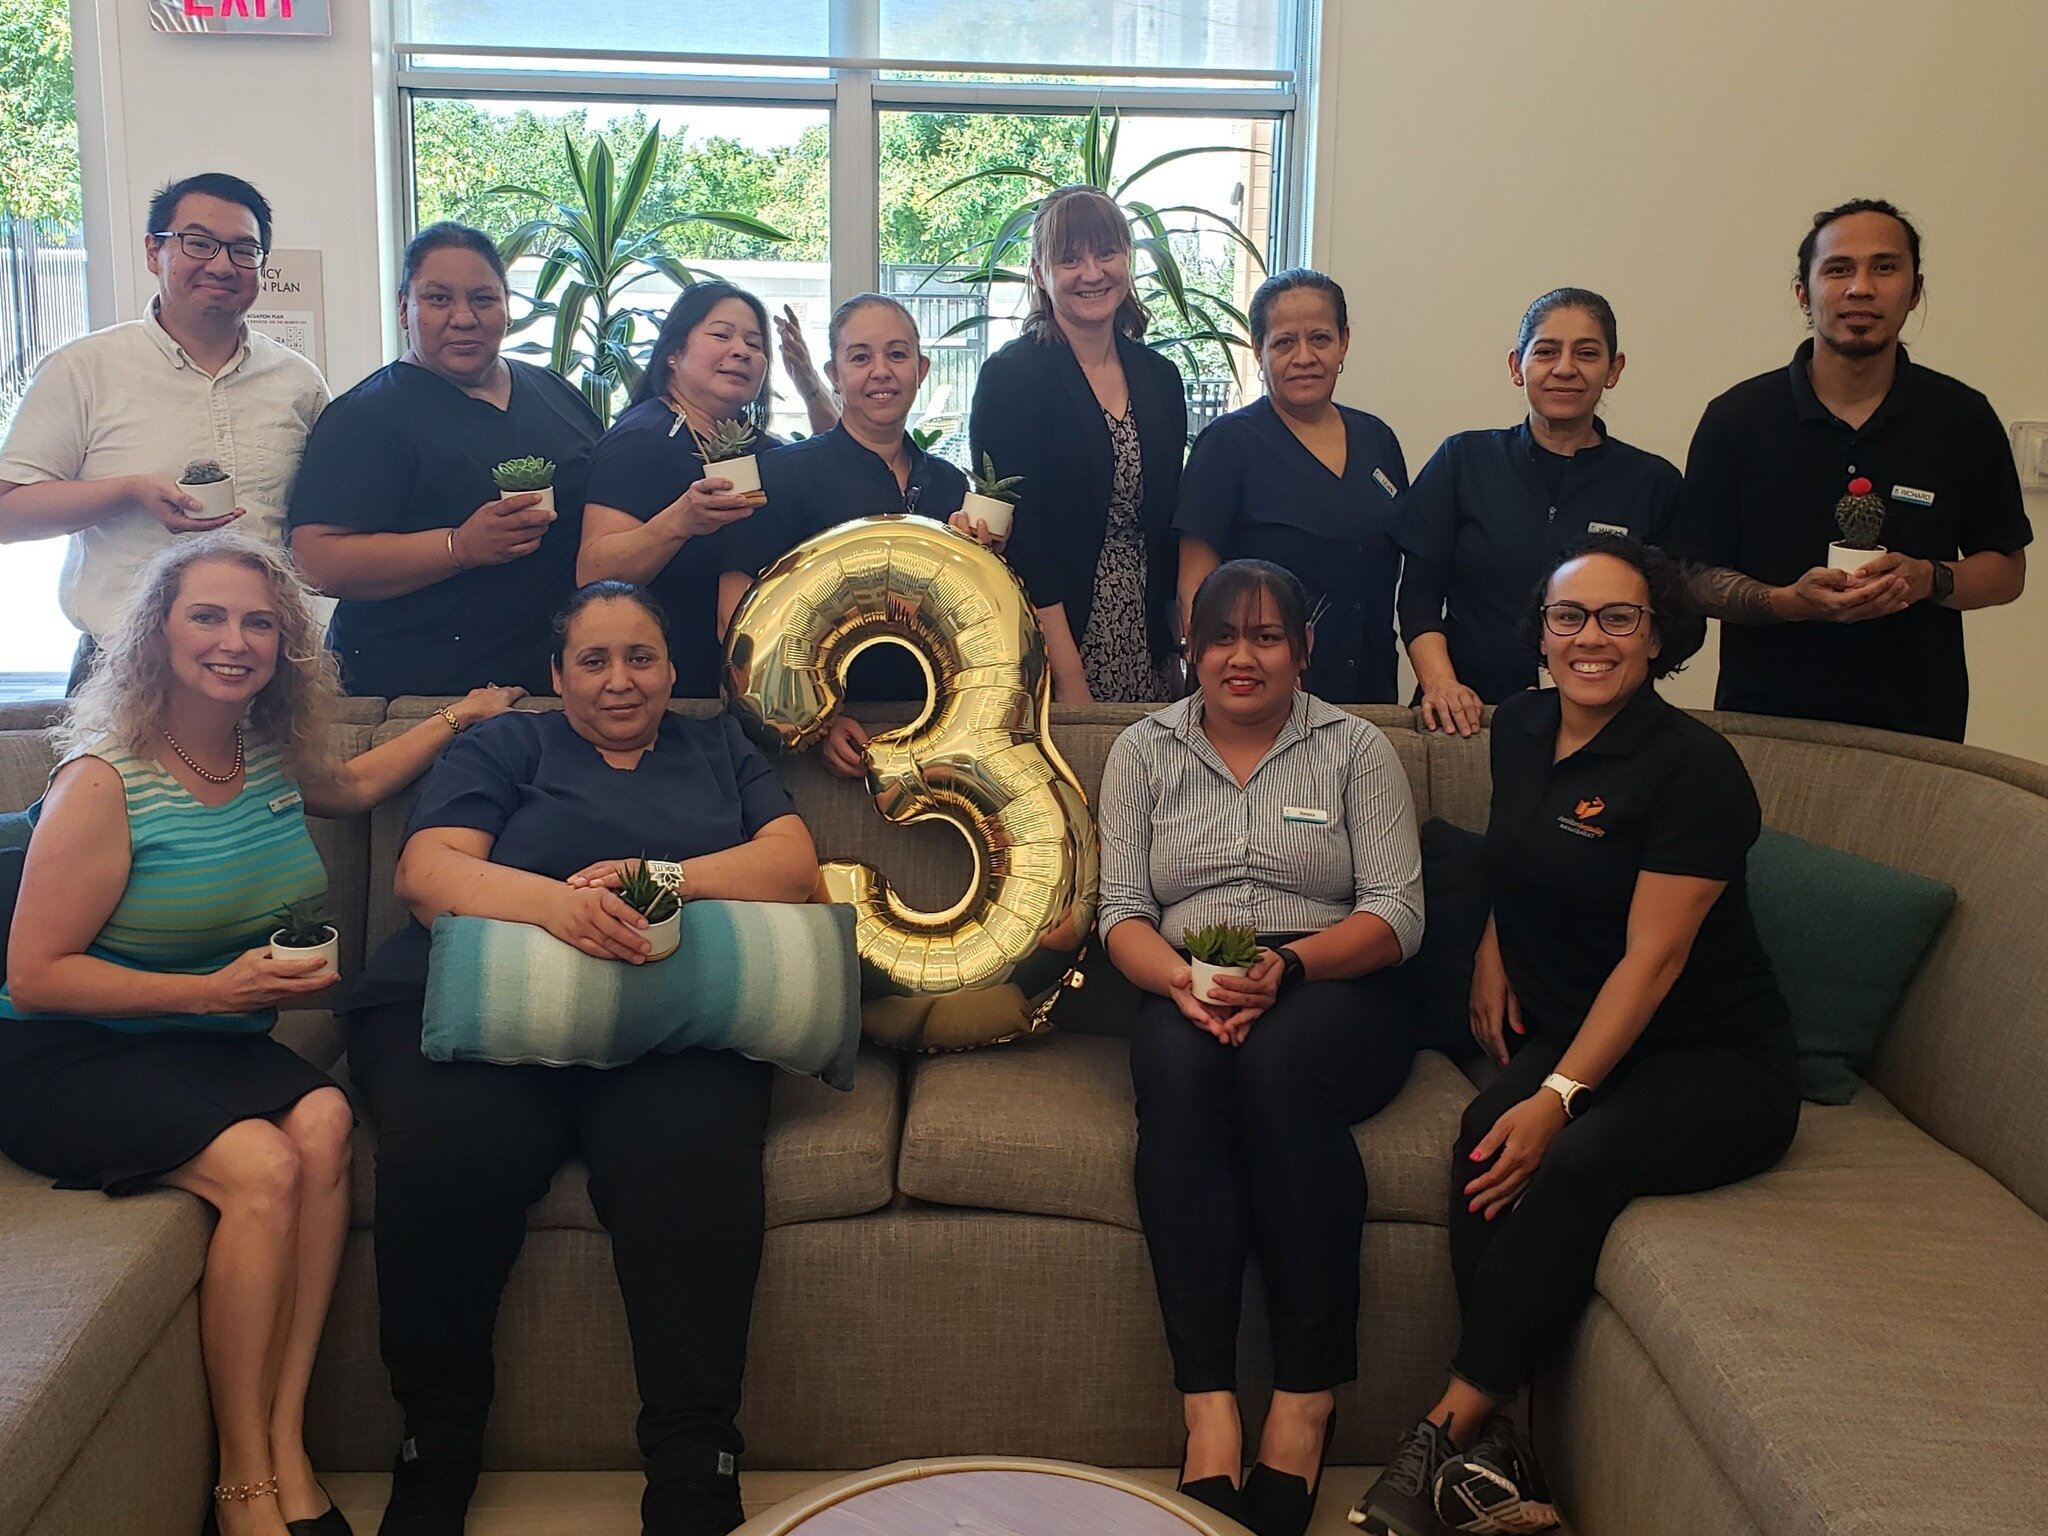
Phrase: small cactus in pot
[303,933]
[991,498]
[532,473]
[1860,516]
[212,486]
[1221,949]
[729,454]
[654,899]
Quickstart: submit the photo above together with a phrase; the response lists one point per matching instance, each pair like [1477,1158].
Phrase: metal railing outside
[42,300]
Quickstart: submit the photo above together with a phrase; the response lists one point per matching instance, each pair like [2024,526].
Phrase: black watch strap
[1292,972]
[1944,586]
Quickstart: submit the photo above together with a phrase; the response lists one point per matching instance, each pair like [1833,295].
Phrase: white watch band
[1567,1089]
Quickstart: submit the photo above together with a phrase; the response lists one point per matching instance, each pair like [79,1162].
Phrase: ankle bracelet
[241,1493]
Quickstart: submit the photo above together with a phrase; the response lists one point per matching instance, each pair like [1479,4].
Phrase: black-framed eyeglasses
[243,253]
[1615,619]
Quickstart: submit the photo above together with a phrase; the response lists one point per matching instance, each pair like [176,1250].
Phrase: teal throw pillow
[1846,937]
[773,981]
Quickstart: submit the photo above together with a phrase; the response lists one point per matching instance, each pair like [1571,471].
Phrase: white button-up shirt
[128,401]
[1324,827]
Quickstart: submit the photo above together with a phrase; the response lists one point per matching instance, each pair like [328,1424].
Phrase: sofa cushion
[1845,936]
[830,1154]
[1857,1331]
[87,1285]
[1049,1127]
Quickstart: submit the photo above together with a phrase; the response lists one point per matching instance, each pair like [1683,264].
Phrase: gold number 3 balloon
[979,756]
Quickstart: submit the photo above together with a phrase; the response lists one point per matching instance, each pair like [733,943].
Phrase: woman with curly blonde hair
[135,1045]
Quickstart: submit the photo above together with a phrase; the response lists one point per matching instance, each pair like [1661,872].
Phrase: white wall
[1471,154]
[1477,152]
[301,118]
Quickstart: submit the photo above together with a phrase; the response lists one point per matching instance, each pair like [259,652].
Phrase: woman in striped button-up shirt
[1254,803]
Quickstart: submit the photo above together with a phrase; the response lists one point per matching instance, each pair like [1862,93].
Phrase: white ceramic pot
[744,473]
[665,935]
[1203,974]
[546,494]
[992,510]
[216,498]
[1849,557]
[328,952]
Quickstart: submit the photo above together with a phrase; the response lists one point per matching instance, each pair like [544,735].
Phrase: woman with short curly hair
[1651,1049]
[135,1045]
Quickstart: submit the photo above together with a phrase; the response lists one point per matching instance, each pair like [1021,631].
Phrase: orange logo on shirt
[1586,810]
[1580,822]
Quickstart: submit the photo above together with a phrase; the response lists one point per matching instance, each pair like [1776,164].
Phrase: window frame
[855,88]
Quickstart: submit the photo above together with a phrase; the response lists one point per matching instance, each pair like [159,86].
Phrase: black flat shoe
[1279,1503]
[331,1523]
[1218,1493]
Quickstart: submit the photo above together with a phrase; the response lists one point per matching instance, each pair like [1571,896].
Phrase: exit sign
[243,18]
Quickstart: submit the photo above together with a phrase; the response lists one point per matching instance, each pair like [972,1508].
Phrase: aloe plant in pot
[654,899]
[515,476]
[212,486]
[303,933]
[990,499]
[730,446]
[1221,949]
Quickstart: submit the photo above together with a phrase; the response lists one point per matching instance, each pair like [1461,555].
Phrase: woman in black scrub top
[1620,985]
[655,514]
[1490,510]
[865,466]
[445,582]
[1307,484]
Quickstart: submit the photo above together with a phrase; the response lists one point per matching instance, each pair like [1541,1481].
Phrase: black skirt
[94,1108]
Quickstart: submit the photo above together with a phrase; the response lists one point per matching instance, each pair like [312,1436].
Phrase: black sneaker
[1398,1503]
[1495,1487]
[699,1503]
[429,1494]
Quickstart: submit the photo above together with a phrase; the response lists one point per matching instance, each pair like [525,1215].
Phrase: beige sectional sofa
[1852,1343]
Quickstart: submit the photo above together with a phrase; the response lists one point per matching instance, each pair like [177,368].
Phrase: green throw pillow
[1846,937]
[774,981]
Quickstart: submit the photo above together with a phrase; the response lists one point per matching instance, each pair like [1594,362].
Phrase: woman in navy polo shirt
[1490,510]
[1308,484]
[655,515]
[526,819]
[865,466]
[1651,1051]
[445,582]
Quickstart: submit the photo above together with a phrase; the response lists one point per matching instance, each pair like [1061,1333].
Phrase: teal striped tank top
[204,882]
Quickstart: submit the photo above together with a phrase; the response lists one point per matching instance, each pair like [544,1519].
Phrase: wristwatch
[1292,971]
[1567,1089]
[1944,586]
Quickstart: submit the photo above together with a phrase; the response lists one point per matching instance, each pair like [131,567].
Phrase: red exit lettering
[239,8]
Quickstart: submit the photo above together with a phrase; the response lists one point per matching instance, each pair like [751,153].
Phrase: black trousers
[1247,1149]
[1666,1122]
[674,1147]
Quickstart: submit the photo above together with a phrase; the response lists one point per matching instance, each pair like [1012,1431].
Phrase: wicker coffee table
[989,1496]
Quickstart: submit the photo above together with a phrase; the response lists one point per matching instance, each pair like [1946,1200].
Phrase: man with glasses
[112,420]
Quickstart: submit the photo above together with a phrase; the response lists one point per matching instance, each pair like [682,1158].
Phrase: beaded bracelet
[241,1493]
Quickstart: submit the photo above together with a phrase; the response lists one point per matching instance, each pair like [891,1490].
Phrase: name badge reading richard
[1305,813]
[1913,494]
[285,801]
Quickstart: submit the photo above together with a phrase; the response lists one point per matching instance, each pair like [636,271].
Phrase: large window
[42,304]
[841,123]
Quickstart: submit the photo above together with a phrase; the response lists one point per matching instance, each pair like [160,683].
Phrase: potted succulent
[516,476]
[991,500]
[730,447]
[1222,949]
[1860,516]
[655,900]
[302,933]
[213,486]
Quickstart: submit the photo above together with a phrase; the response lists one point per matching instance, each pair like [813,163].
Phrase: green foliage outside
[38,124]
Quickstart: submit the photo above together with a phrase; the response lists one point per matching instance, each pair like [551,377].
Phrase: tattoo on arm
[1731,596]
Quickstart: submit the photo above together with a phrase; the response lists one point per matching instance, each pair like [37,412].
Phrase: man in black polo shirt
[1772,459]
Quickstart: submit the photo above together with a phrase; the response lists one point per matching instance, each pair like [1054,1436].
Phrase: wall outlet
[2030,451]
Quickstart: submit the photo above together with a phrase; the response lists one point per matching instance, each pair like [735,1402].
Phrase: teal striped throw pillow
[774,981]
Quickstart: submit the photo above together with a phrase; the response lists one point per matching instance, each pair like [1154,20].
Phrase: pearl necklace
[211,778]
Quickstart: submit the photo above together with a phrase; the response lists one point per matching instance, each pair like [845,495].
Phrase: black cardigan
[1035,415]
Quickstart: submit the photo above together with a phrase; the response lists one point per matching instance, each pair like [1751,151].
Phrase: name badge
[285,801]
[1305,813]
[1379,477]
[1917,497]
[1614,528]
